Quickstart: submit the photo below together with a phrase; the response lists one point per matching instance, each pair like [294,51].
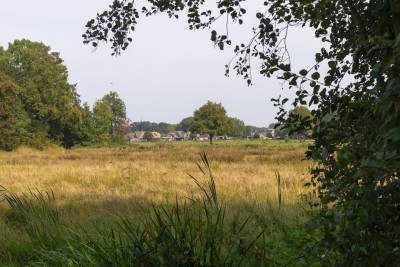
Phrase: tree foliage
[239,128]
[102,116]
[356,133]
[87,132]
[118,109]
[148,136]
[9,108]
[50,105]
[165,128]
[121,131]
[38,106]
[184,124]
[145,126]
[211,119]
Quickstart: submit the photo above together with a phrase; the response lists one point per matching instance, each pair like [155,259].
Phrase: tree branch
[356,17]
[395,15]
[395,12]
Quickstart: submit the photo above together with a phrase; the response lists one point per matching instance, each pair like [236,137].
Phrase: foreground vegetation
[138,206]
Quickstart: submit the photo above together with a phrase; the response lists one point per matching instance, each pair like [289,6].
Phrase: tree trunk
[211,138]
[395,12]
[356,17]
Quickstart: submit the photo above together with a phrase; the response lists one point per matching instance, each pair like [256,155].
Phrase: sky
[167,72]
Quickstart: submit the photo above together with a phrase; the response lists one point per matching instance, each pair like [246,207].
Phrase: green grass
[270,143]
[194,232]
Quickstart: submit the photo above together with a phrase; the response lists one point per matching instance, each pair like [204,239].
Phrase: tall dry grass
[101,185]
[114,181]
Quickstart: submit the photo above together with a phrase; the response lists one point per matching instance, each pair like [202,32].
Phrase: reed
[278,180]
[35,213]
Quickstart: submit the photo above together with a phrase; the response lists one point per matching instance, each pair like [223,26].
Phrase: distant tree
[71,124]
[148,136]
[118,109]
[144,126]
[163,127]
[256,136]
[102,117]
[172,128]
[184,125]
[193,136]
[50,103]
[153,127]
[121,130]
[87,130]
[211,119]
[136,126]
[249,129]
[9,138]
[239,128]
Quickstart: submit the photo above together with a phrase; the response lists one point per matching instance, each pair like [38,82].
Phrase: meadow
[76,196]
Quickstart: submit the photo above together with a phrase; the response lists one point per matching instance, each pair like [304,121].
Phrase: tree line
[39,107]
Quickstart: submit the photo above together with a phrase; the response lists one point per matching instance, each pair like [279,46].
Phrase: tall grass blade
[37,214]
[210,190]
[278,180]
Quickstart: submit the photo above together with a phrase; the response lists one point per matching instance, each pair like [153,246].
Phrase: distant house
[251,136]
[186,136]
[156,135]
[181,135]
[264,134]
[136,136]
[129,136]
[167,137]
[176,136]
[203,137]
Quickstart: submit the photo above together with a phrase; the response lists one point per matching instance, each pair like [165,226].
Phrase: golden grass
[90,183]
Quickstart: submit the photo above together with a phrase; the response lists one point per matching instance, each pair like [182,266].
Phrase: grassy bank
[101,186]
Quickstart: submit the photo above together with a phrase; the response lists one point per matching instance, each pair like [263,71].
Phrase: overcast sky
[166,73]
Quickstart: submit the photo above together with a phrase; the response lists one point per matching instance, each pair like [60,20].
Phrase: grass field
[99,186]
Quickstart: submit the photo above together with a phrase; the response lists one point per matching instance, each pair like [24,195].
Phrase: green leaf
[315,75]
[284,67]
[213,36]
[303,72]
